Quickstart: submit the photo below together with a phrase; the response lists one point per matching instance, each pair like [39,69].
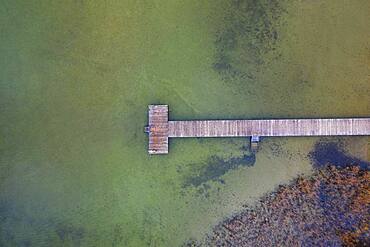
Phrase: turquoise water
[75,81]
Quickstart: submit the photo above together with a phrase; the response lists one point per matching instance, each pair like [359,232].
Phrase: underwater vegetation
[332,153]
[251,32]
[76,78]
[329,208]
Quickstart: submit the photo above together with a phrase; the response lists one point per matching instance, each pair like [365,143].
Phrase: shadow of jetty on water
[217,167]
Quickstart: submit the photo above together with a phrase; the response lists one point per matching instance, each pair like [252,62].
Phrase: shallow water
[75,81]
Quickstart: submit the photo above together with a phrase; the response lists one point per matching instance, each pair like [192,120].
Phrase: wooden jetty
[160,128]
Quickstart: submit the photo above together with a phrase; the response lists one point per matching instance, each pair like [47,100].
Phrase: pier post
[254,143]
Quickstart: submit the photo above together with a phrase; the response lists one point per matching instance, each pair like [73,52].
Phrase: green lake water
[75,81]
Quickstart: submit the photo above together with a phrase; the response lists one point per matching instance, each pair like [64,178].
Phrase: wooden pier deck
[160,128]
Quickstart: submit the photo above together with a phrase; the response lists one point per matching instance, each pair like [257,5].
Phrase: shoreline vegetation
[328,208]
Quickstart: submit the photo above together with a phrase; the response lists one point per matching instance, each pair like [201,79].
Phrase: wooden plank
[274,127]
[158,129]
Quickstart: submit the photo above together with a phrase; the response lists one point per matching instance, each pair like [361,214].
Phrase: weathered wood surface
[158,129]
[276,127]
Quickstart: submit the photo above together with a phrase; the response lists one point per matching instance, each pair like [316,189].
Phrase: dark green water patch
[332,153]
[192,243]
[276,149]
[250,31]
[70,233]
[215,167]
[11,235]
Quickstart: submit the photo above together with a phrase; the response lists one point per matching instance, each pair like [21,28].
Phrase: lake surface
[75,81]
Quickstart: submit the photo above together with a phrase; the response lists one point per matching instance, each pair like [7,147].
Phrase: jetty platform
[160,128]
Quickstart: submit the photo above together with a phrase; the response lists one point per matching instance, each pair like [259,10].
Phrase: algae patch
[332,153]
[250,31]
